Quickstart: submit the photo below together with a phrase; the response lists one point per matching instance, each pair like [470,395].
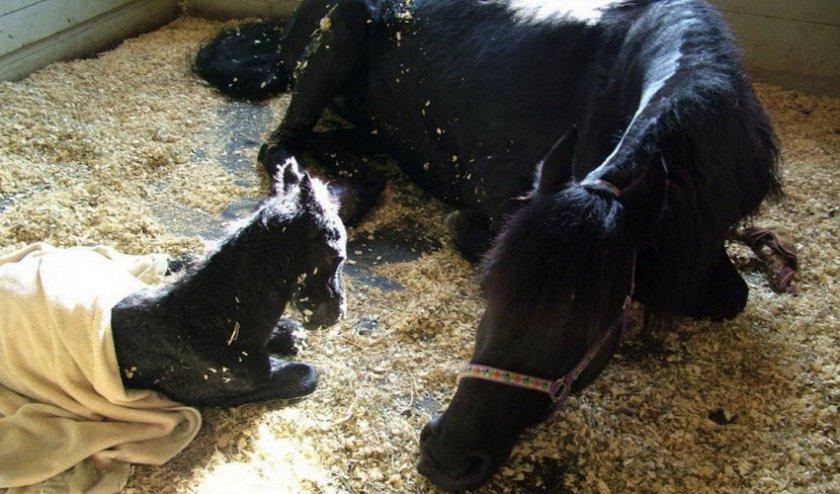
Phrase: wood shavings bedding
[90,149]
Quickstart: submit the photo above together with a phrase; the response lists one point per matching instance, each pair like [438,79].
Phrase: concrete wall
[34,33]
[225,9]
[795,43]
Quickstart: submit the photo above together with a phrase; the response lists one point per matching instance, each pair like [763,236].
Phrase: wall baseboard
[89,37]
[822,86]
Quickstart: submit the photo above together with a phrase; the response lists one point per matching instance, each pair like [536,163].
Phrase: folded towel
[62,402]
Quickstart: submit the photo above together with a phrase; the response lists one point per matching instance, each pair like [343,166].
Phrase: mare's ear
[556,169]
[644,199]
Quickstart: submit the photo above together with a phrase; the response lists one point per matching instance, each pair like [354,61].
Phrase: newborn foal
[206,339]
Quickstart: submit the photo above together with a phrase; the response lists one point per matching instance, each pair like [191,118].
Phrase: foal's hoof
[451,222]
[290,380]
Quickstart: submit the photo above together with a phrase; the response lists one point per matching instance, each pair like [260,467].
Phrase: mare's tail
[245,61]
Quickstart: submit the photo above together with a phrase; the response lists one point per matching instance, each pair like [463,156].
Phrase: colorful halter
[560,389]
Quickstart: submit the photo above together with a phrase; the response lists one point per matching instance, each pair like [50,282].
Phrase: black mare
[207,338]
[665,148]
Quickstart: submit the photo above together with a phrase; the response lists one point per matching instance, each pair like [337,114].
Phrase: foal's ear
[291,174]
[556,169]
[644,199]
[287,176]
[307,189]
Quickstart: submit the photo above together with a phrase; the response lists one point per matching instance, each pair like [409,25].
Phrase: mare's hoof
[725,302]
[470,233]
[272,157]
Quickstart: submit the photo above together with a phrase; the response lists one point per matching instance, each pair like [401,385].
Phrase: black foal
[207,338]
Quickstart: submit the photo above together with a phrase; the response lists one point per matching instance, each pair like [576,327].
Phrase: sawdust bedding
[93,150]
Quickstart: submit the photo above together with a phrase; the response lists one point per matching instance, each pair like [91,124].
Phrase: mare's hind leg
[470,233]
[724,294]
[331,59]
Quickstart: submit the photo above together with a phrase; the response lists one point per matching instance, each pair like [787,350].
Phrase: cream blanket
[62,402]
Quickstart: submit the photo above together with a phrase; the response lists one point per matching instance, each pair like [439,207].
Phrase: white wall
[34,33]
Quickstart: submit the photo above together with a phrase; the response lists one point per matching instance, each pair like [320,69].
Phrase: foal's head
[303,213]
[555,281]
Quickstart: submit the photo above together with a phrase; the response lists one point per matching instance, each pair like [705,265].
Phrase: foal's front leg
[335,53]
[285,381]
[283,340]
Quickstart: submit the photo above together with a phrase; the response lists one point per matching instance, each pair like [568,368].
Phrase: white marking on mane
[663,67]
[544,11]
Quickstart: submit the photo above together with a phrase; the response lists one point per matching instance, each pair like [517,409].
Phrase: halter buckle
[560,390]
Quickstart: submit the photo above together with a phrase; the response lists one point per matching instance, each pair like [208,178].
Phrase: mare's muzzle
[450,468]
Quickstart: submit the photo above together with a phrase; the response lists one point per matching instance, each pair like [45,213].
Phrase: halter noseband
[560,389]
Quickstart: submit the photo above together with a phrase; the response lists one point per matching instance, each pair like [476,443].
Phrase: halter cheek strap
[560,389]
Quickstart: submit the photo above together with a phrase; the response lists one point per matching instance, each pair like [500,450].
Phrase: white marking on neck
[662,69]
[552,11]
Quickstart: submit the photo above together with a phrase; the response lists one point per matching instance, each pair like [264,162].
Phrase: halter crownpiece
[602,184]
[609,186]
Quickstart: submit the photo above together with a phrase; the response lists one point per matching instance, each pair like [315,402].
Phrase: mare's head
[555,281]
[308,222]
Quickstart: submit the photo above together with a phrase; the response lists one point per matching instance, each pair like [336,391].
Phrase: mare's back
[497,70]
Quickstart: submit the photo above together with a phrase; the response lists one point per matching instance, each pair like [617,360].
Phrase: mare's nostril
[483,466]
[432,429]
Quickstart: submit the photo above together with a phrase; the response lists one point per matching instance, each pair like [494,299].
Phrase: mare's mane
[565,251]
